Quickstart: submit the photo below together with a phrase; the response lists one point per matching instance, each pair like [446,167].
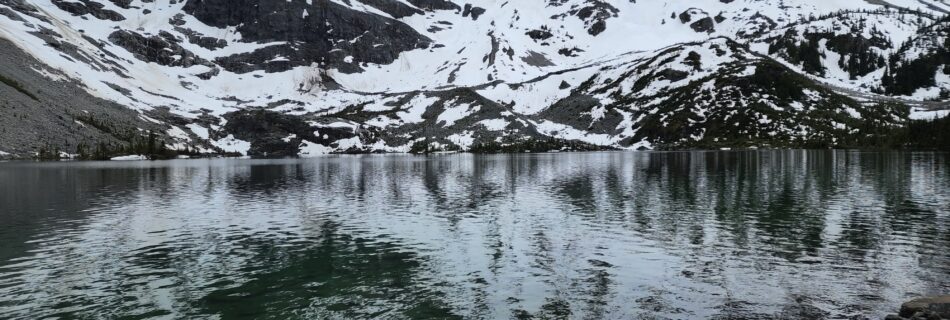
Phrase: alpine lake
[787,234]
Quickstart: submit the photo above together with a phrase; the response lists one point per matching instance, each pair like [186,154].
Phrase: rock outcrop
[925,308]
[323,32]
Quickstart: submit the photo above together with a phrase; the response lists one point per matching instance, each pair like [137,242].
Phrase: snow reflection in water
[594,235]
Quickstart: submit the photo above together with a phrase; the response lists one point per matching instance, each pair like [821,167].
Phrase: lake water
[767,234]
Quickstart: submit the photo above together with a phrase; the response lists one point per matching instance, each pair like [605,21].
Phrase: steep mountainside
[307,77]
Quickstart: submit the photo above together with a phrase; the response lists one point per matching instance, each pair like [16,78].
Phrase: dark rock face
[540,34]
[703,22]
[576,111]
[472,11]
[926,308]
[88,7]
[210,43]
[438,133]
[23,8]
[536,59]
[268,132]
[594,14]
[162,49]
[274,134]
[9,13]
[572,52]
[672,75]
[325,32]
[393,8]
[124,4]
[435,4]
[756,26]
[704,25]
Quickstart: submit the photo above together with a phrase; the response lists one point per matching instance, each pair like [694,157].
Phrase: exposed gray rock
[927,308]
[575,111]
[9,13]
[84,7]
[698,20]
[38,113]
[394,8]
[25,8]
[472,11]
[272,134]
[536,59]
[210,43]
[324,32]
[594,13]
[704,25]
[162,49]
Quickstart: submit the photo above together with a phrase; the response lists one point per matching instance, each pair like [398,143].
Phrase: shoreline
[139,158]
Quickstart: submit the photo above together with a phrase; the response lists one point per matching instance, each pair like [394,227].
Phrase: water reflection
[768,234]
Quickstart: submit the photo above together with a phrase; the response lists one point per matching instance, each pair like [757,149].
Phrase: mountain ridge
[400,76]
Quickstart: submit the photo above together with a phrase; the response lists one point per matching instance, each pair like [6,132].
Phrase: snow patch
[130,158]
[232,144]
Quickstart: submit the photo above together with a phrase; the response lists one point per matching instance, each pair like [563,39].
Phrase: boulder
[928,307]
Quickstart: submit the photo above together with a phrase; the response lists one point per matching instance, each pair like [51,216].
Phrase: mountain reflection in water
[767,234]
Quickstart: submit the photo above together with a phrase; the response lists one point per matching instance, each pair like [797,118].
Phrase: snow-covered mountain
[289,77]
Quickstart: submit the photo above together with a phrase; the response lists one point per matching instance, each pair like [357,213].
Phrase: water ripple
[764,234]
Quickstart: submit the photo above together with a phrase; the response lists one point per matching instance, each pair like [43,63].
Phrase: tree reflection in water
[591,235]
